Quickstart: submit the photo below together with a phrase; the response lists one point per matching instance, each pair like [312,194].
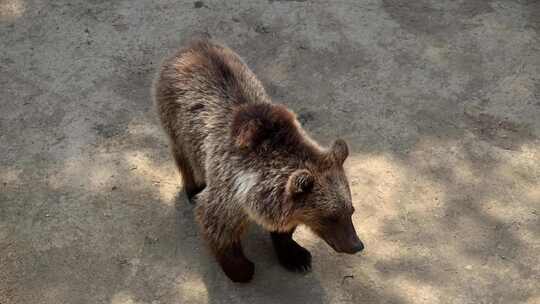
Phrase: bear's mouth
[344,250]
[331,244]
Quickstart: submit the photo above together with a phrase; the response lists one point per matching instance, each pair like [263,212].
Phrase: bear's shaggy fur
[243,158]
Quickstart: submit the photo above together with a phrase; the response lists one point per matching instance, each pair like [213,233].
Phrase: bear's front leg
[291,255]
[222,227]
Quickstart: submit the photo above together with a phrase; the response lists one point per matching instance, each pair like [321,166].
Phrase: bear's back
[198,88]
[207,77]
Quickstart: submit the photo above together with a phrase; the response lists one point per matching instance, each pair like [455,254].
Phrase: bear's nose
[358,247]
[352,249]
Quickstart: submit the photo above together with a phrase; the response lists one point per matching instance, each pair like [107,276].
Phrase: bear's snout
[342,237]
[351,246]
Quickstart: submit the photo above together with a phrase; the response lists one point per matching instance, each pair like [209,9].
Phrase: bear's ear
[301,181]
[339,151]
[247,135]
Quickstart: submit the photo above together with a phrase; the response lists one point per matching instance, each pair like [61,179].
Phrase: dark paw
[238,270]
[294,257]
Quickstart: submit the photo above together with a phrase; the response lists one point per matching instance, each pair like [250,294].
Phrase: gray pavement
[439,101]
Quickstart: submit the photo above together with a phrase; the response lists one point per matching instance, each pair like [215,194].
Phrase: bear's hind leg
[290,255]
[191,187]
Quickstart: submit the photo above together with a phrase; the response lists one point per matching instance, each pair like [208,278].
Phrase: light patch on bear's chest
[244,182]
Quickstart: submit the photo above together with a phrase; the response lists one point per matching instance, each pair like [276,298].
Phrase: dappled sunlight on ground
[10,176]
[429,214]
[136,170]
[93,175]
[123,298]
[193,291]
[142,128]
[11,9]
[418,292]
[165,177]
[426,219]
[438,101]
[534,194]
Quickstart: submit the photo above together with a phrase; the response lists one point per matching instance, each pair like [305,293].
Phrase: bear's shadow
[271,282]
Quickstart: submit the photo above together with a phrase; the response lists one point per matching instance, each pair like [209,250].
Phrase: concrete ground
[439,101]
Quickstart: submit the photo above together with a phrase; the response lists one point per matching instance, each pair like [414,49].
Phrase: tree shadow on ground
[444,164]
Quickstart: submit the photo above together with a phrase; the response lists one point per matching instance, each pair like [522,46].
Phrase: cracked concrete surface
[439,101]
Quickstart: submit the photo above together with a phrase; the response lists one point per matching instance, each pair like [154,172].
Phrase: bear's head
[322,200]
[317,191]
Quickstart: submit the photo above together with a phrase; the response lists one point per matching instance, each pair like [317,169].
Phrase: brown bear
[244,158]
